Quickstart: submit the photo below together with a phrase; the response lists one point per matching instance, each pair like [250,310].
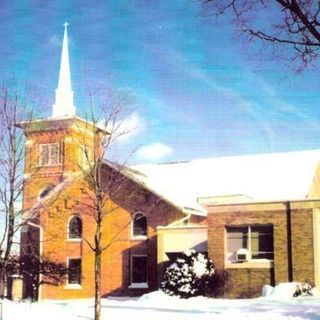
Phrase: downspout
[289,241]
[182,220]
[40,235]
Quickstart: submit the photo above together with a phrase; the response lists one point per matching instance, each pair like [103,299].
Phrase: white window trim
[73,286]
[251,263]
[256,263]
[76,240]
[68,234]
[138,285]
[49,158]
[138,237]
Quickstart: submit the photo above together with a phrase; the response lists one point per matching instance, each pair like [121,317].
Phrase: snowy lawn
[157,305]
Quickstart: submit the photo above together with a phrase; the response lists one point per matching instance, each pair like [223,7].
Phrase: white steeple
[64,95]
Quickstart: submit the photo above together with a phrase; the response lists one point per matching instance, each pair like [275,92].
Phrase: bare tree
[105,182]
[111,108]
[291,23]
[13,109]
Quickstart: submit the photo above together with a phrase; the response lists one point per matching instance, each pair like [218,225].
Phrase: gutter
[289,240]
[188,213]
[262,202]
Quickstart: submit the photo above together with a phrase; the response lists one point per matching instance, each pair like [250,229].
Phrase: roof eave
[185,210]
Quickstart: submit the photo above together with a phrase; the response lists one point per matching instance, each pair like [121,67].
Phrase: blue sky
[201,90]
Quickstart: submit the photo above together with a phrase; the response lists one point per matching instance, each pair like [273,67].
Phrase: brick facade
[115,259]
[295,224]
[53,214]
[293,261]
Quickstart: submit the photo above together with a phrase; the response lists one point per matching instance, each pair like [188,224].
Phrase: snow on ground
[277,305]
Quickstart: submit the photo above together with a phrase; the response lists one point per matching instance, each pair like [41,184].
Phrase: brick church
[59,210]
[257,216]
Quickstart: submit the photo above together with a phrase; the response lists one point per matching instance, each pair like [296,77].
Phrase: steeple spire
[64,95]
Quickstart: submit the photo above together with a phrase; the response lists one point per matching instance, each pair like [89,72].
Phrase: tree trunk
[2,284]
[97,264]
[97,272]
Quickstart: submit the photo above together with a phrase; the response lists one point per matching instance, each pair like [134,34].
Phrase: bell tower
[60,145]
[57,148]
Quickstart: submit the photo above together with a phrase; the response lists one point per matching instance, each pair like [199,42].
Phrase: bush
[218,285]
[303,289]
[193,274]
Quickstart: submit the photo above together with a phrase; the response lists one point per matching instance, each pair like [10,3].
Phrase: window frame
[137,236]
[45,191]
[251,262]
[138,285]
[77,239]
[50,146]
[73,285]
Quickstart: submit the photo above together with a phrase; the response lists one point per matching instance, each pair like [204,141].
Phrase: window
[46,191]
[258,240]
[49,154]
[75,228]
[138,271]
[139,225]
[74,271]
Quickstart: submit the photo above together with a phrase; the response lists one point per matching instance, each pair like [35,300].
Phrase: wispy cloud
[271,105]
[130,127]
[254,104]
[181,63]
[155,152]
[55,41]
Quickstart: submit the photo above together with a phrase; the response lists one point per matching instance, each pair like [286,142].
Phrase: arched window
[139,225]
[75,228]
[46,191]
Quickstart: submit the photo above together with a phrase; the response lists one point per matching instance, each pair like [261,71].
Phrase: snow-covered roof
[191,185]
[262,177]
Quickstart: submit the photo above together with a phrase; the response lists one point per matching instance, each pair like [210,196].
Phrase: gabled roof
[233,179]
[142,180]
[189,186]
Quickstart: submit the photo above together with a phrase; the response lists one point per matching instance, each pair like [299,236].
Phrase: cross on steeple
[64,95]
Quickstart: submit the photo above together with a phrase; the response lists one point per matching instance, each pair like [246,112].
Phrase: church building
[59,212]
[257,216]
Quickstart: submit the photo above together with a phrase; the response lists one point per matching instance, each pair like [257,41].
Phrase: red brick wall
[126,198]
[248,282]
[116,259]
